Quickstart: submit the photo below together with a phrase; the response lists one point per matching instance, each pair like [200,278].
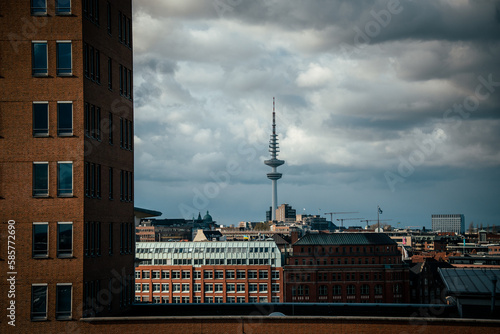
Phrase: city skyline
[393,105]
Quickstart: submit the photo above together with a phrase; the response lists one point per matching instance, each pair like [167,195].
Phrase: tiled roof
[346,239]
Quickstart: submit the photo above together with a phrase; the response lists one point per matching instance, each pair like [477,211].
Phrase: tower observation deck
[274,162]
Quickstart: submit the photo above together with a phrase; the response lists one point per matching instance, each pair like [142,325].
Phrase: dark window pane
[63,302]
[65,179]
[40,119]
[65,119]
[64,58]
[39,58]
[38,302]
[40,238]
[63,6]
[38,7]
[64,239]
[40,179]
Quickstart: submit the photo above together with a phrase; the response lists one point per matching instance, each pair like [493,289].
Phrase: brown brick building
[346,268]
[66,161]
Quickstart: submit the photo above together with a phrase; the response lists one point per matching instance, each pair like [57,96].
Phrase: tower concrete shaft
[274,162]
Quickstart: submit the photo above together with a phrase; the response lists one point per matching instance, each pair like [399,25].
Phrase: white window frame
[71,58]
[35,318]
[72,241]
[71,302]
[72,179]
[46,255]
[48,118]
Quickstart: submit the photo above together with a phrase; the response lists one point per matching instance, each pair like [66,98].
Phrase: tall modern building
[274,162]
[66,161]
[448,223]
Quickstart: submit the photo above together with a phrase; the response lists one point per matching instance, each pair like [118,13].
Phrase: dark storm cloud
[359,93]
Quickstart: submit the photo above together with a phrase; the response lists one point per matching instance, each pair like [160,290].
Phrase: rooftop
[346,239]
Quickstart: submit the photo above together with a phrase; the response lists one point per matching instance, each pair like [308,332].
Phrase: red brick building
[208,284]
[346,268]
[66,161]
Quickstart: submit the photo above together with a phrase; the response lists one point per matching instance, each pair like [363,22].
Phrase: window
[40,119]
[275,274]
[252,274]
[207,274]
[145,287]
[40,179]
[336,291]
[38,301]
[365,289]
[218,287]
[110,182]
[229,274]
[156,287]
[63,301]
[165,274]
[64,179]
[108,14]
[209,288]
[39,58]
[64,119]
[38,7]
[40,239]
[263,274]
[252,287]
[263,287]
[230,287]
[63,50]
[64,239]
[351,289]
[185,287]
[164,287]
[219,274]
[110,74]
[275,287]
[63,7]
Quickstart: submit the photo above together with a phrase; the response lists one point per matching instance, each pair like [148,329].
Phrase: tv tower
[274,176]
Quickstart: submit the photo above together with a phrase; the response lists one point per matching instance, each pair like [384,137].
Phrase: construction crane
[337,213]
[341,220]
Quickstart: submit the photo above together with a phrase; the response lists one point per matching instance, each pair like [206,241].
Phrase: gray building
[448,223]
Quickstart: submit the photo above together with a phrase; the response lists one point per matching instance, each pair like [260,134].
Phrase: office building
[66,162]
[448,223]
[208,272]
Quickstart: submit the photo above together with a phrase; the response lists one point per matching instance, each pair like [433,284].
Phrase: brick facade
[92,268]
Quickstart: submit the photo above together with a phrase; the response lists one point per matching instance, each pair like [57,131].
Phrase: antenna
[274,176]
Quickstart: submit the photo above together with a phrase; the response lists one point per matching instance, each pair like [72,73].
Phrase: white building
[448,223]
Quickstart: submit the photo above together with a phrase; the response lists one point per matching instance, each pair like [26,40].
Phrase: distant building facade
[209,272]
[346,268]
[448,223]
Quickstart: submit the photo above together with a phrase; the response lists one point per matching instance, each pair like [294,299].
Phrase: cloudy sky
[390,103]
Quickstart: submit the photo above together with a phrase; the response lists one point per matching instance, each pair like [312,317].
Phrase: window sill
[41,135]
[41,196]
[65,196]
[39,319]
[39,14]
[64,14]
[40,75]
[40,256]
[62,75]
[64,318]
[65,256]
[65,135]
